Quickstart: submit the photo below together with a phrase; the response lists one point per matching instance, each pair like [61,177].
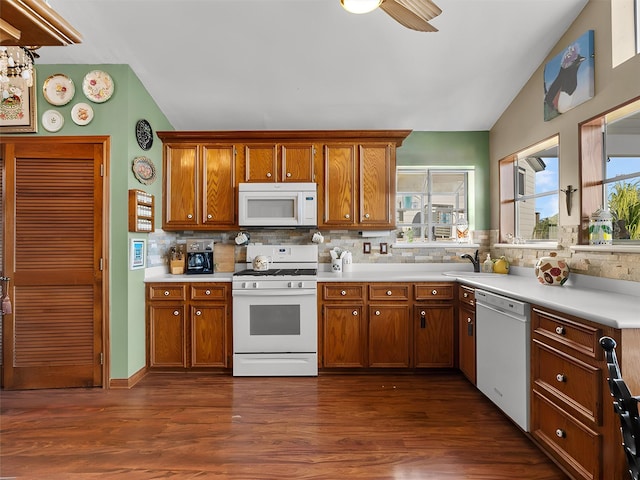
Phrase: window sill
[606,248]
[528,246]
[434,245]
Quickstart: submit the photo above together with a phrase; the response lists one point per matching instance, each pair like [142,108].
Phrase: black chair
[626,406]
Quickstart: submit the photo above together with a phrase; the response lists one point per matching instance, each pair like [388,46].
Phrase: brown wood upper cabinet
[273,162]
[359,183]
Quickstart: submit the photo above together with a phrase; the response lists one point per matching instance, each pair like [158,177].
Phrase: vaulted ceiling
[308,64]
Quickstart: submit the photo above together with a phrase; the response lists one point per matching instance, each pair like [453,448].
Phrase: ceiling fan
[413,14]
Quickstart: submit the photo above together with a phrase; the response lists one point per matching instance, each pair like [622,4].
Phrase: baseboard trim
[128,382]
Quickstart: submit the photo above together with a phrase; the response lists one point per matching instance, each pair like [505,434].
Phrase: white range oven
[275,324]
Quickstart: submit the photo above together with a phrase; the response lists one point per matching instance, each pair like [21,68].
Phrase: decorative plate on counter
[98,86]
[81,113]
[52,120]
[144,170]
[58,89]
[144,134]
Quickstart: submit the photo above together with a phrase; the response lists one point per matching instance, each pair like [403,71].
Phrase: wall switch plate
[366,247]
[383,249]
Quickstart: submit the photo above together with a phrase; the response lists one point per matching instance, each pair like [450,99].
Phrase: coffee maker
[199,256]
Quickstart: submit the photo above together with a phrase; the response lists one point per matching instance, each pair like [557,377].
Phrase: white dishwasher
[502,353]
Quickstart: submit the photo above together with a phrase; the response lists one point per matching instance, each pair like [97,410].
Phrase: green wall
[117,118]
[453,149]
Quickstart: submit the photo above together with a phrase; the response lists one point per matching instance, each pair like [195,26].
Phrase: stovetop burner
[277,272]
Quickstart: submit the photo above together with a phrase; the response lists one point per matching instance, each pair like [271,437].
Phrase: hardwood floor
[185,426]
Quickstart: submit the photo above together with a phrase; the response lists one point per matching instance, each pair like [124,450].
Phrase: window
[430,202]
[610,168]
[529,200]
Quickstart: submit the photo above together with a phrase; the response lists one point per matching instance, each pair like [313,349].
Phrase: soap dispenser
[487,265]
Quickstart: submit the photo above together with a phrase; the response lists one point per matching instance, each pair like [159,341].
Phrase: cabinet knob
[389,292]
[167,293]
[355,313]
[423,313]
[561,377]
[378,313]
[198,312]
[423,319]
[343,293]
[560,330]
[366,215]
[268,174]
[207,292]
[209,216]
[434,292]
[468,319]
[189,216]
[561,433]
[347,216]
[176,313]
[465,294]
[288,174]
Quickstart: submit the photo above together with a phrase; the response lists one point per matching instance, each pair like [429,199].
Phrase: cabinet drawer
[209,292]
[578,337]
[575,383]
[343,292]
[576,446]
[172,291]
[467,295]
[390,291]
[434,291]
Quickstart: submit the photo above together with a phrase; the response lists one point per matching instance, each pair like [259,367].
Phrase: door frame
[102,147]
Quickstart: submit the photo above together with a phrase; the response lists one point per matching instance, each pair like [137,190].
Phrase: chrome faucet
[475,260]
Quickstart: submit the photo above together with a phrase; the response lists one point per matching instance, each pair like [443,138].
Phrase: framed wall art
[569,77]
[137,253]
[18,107]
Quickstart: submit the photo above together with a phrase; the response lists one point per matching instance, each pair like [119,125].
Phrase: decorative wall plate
[58,89]
[144,170]
[144,134]
[98,86]
[81,113]
[52,120]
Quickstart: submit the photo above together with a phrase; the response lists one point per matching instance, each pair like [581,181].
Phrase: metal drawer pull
[207,292]
[355,313]
[468,319]
[288,174]
[389,292]
[560,330]
[347,215]
[366,215]
[465,294]
[378,312]
[190,216]
[209,216]
[198,312]
[268,174]
[434,292]
[176,312]
[167,293]
[561,377]
[343,293]
[561,433]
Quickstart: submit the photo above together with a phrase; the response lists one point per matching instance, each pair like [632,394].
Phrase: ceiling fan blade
[413,14]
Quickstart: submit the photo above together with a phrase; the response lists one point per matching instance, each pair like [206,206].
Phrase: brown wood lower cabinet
[378,325]
[572,417]
[467,332]
[189,325]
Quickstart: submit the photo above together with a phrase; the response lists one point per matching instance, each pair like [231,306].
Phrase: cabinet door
[208,335]
[389,336]
[339,185]
[377,185]
[261,163]
[180,186]
[297,163]
[433,335]
[167,335]
[343,336]
[467,343]
[218,194]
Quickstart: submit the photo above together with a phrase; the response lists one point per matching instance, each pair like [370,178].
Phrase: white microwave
[277,205]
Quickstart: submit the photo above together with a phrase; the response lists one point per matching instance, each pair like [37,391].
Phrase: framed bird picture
[569,77]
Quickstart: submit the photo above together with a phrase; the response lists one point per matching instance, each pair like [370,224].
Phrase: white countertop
[614,303]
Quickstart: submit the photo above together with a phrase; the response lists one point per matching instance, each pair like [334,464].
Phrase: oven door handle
[273,293]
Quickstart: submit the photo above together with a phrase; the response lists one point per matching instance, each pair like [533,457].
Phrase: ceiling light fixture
[15,62]
[360,6]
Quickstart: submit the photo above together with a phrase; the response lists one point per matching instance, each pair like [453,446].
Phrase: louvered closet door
[53,247]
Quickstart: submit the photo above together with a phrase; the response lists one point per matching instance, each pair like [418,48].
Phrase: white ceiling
[308,64]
